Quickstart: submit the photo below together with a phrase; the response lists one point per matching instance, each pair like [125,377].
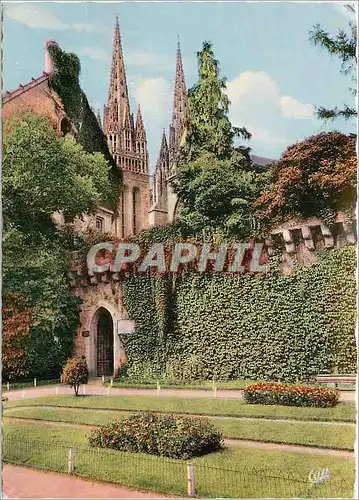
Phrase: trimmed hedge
[271,393]
[162,435]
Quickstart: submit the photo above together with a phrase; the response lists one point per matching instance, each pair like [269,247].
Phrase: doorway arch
[104,343]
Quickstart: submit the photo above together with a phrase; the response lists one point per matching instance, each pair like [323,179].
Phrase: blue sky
[275,76]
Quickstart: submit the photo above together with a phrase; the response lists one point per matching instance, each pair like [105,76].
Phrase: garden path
[25,482]
[92,389]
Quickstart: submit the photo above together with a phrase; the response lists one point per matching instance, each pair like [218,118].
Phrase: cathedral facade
[144,201]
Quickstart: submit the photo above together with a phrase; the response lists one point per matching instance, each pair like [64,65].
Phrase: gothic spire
[162,160]
[118,102]
[180,106]
[140,128]
[99,118]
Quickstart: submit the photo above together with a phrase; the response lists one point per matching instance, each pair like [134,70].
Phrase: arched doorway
[105,347]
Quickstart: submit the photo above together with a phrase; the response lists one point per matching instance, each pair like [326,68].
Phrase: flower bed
[163,435]
[272,393]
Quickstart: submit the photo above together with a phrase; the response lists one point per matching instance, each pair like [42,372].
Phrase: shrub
[162,435]
[75,373]
[272,393]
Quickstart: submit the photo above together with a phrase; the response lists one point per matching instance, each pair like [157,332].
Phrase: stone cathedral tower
[164,203]
[128,145]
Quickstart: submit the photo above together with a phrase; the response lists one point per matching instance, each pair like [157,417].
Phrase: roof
[7,96]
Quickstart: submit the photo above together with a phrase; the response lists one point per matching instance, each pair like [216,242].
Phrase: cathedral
[143,203]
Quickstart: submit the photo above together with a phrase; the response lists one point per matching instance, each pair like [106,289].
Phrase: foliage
[43,174]
[66,83]
[315,177]
[191,368]
[218,194]
[344,47]
[16,318]
[269,327]
[290,395]
[35,269]
[75,372]
[162,435]
[209,129]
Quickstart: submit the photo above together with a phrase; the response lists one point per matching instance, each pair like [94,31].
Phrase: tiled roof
[7,96]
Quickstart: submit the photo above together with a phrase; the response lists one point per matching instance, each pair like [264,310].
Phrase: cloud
[95,53]
[291,108]
[37,16]
[154,97]
[257,103]
[33,16]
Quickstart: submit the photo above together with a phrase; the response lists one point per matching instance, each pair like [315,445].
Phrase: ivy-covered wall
[268,327]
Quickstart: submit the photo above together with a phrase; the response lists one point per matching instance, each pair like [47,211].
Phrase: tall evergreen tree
[209,129]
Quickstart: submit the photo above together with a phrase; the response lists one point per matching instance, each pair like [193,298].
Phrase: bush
[75,373]
[162,435]
[272,393]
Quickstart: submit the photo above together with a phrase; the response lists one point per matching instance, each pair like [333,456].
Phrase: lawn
[234,472]
[222,407]
[312,434]
[206,384]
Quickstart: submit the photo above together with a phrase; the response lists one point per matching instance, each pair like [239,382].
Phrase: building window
[100,224]
[135,208]
[123,213]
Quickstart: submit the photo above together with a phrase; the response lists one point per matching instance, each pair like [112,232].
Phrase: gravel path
[93,389]
[25,482]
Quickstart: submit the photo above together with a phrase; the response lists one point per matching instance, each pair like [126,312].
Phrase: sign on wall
[125,326]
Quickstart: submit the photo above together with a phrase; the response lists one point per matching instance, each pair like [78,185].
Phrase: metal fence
[169,476]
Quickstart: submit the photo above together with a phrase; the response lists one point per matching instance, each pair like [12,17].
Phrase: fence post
[56,390]
[8,386]
[158,388]
[215,391]
[111,382]
[71,460]
[190,480]
[34,382]
[103,379]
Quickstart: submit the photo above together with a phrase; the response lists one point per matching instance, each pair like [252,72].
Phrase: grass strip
[344,412]
[231,473]
[206,384]
[321,435]
[27,383]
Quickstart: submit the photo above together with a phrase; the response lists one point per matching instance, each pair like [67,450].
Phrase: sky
[275,77]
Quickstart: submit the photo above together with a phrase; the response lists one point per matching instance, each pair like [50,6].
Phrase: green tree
[218,194]
[209,128]
[344,47]
[43,174]
[215,182]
